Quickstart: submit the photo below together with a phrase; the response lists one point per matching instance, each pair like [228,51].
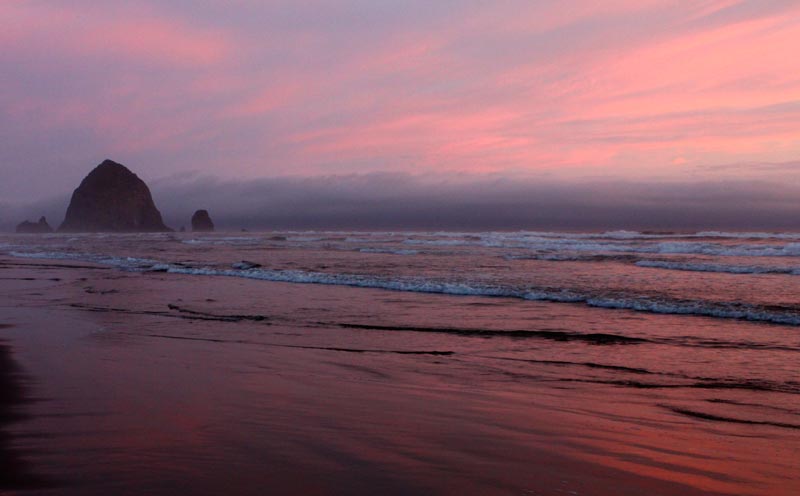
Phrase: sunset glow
[417,247]
[637,90]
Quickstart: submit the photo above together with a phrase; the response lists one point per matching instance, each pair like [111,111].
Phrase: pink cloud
[620,87]
[132,34]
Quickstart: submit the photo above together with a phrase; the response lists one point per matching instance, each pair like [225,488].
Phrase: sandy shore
[164,384]
[15,472]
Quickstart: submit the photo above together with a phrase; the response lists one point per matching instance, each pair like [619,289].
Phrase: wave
[715,243]
[728,310]
[623,234]
[125,263]
[542,244]
[388,251]
[229,240]
[367,238]
[714,267]
[746,250]
[747,235]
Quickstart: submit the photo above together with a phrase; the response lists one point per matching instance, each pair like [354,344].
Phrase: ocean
[524,362]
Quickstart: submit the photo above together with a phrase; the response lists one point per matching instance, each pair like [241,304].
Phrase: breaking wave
[228,240]
[543,244]
[786,315]
[715,267]
[125,263]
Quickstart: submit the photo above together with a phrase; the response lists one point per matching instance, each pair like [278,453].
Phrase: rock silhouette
[34,227]
[201,222]
[112,199]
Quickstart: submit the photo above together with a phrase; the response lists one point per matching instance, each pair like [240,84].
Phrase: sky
[417,113]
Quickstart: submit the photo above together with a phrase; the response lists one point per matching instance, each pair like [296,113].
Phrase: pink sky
[649,90]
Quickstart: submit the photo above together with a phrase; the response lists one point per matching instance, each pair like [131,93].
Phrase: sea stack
[40,227]
[112,199]
[201,222]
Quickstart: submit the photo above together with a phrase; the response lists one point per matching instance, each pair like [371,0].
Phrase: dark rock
[35,227]
[183,229]
[112,199]
[201,221]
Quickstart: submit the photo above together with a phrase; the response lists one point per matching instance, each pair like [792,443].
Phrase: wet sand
[158,384]
[15,473]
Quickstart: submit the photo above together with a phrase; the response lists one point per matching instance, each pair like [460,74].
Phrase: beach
[162,382]
[15,472]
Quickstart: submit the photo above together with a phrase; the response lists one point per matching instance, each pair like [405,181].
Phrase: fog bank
[402,201]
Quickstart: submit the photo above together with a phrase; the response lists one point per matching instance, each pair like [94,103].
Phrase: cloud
[264,89]
[140,34]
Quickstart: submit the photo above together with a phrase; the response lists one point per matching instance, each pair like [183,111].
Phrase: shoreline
[264,381]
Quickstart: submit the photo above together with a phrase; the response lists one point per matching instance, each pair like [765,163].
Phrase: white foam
[728,311]
[43,254]
[788,316]
[717,243]
[226,240]
[715,267]
[700,308]
[129,263]
[442,242]
[625,234]
[746,235]
[543,244]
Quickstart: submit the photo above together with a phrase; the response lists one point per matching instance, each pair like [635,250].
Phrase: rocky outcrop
[112,199]
[201,222]
[34,227]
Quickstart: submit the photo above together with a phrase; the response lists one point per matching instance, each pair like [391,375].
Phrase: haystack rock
[112,199]
[35,227]
[201,222]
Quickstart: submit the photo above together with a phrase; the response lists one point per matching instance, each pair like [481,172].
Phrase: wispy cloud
[631,90]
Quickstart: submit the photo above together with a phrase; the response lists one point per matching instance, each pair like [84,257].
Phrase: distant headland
[41,227]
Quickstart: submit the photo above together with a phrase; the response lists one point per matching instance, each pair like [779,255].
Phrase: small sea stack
[28,227]
[201,222]
[112,199]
